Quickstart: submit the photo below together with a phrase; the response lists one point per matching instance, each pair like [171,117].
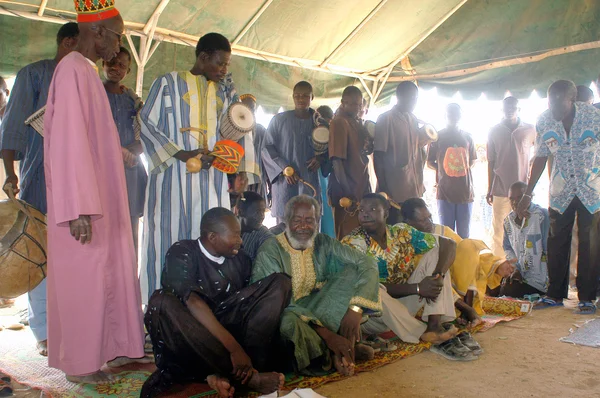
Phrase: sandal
[585,308]
[468,341]
[454,350]
[546,302]
[380,344]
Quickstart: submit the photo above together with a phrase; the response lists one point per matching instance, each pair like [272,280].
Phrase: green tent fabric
[354,37]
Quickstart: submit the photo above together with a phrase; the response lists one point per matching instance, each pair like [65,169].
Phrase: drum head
[321,135]
[241,116]
[431,132]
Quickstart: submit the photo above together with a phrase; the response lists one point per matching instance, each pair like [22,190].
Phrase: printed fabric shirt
[396,263]
[576,165]
[529,245]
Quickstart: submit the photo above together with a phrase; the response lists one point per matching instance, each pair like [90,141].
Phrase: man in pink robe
[94,301]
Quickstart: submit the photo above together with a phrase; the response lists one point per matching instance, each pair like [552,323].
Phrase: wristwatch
[356,308]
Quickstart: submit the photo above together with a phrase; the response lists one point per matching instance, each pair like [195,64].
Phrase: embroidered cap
[95,10]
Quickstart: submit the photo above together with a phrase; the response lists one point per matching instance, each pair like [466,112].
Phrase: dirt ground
[522,358]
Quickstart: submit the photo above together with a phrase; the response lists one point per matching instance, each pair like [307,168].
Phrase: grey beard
[298,244]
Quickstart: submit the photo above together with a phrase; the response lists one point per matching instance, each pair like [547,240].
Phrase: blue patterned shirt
[576,166]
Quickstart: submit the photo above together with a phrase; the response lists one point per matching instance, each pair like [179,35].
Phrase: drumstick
[204,137]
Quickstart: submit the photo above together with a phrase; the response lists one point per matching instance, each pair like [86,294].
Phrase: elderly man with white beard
[333,287]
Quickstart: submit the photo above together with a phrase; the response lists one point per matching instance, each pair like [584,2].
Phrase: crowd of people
[236,304]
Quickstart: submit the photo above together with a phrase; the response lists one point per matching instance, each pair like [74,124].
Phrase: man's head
[407,94]
[302,214]
[585,94]
[104,36]
[220,232]
[561,96]
[352,101]
[213,54]
[515,193]
[117,68]
[453,114]
[251,211]
[66,39]
[303,95]
[3,95]
[373,212]
[510,108]
[326,113]
[416,214]
[249,100]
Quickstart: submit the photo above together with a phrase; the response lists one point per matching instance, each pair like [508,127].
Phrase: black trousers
[559,250]
[518,290]
[187,351]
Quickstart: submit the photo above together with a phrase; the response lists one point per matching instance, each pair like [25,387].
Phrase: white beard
[299,244]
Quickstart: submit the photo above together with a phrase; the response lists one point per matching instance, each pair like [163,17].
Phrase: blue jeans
[456,216]
[37,312]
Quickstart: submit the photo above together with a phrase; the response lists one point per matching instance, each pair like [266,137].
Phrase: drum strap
[11,195]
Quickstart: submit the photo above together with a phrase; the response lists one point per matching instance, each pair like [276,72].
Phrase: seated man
[526,241]
[208,322]
[251,213]
[474,269]
[407,285]
[332,285]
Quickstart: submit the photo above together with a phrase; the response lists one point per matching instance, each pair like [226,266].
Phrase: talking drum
[320,139]
[22,248]
[238,122]
[370,127]
[428,134]
[228,156]
[37,121]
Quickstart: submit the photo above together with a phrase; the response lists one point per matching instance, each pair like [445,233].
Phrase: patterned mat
[20,360]
[587,334]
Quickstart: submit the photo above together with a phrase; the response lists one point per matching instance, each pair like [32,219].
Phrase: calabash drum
[238,122]
[428,133]
[228,156]
[37,121]
[320,139]
[22,248]
[370,127]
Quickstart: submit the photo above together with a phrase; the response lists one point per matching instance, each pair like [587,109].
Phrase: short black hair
[3,84]
[510,98]
[126,52]
[378,197]
[248,199]
[565,86]
[519,185]
[210,43]
[212,220]
[351,91]
[68,30]
[405,86]
[584,94]
[325,112]
[303,84]
[453,105]
[410,207]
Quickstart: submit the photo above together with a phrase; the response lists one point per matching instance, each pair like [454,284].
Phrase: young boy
[125,104]
[526,241]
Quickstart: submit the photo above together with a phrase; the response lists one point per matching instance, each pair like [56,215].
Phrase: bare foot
[342,366]
[122,361]
[221,385]
[98,377]
[439,336]
[266,383]
[42,347]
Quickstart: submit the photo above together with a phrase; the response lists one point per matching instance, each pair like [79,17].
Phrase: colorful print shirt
[396,263]
[576,166]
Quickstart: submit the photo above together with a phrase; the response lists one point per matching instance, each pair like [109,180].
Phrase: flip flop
[546,302]
[469,342]
[380,344]
[585,308]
